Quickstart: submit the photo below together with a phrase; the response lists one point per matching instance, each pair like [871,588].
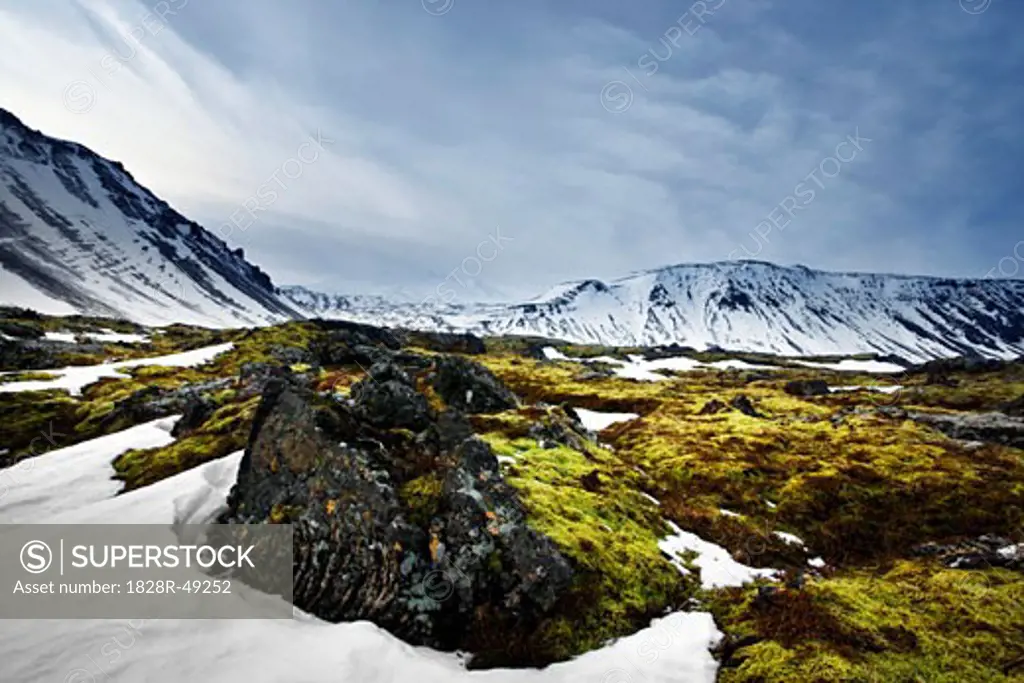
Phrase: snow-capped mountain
[759,306]
[79,234]
[751,306]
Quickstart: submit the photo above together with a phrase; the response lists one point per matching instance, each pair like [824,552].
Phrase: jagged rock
[946,366]
[470,387]
[387,398]
[39,354]
[253,377]
[153,402]
[293,355]
[198,410]
[596,372]
[987,427]
[444,342]
[553,430]
[712,407]
[980,553]
[534,574]
[807,387]
[353,551]
[356,554]
[742,403]
[667,351]
[347,343]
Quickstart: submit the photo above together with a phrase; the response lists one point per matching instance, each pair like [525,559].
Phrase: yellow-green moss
[610,534]
[914,622]
[223,433]
[422,497]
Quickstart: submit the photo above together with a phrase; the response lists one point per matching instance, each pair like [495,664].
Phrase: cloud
[444,127]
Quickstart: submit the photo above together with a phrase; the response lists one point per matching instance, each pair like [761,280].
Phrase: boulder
[328,468]
[470,387]
[387,398]
[807,387]
[985,427]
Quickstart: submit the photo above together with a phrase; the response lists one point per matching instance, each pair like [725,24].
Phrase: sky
[390,146]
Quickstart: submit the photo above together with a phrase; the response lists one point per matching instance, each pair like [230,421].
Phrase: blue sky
[595,137]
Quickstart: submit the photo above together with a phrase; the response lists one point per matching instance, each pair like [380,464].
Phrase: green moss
[610,535]
[223,433]
[30,376]
[34,423]
[422,497]
[914,622]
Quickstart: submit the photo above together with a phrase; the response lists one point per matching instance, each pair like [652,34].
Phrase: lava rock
[198,410]
[387,398]
[470,387]
[986,427]
[742,404]
[712,407]
[979,553]
[315,463]
[807,387]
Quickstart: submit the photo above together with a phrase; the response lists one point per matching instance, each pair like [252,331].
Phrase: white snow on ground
[75,378]
[596,421]
[117,337]
[647,370]
[717,568]
[729,513]
[737,364]
[788,538]
[892,389]
[849,365]
[816,562]
[71,478]
[68,337]
[551,353]
[303,650]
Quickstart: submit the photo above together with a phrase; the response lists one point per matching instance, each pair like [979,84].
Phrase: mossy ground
[859,487]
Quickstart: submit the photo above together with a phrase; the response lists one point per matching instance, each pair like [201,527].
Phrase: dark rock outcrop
[985,427]
[983,552]
[388,399]
[334,470]
[807,387]
[743,404]
[153,402]
[470,387]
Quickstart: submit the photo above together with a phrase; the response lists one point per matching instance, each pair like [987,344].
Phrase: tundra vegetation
[887,515]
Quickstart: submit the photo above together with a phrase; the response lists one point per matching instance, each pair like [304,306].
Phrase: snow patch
[717,568]
[551,353]
[172,650]
[788,538]
[67,337]
[850,365]
[72,478]
[595,421]
[75,378]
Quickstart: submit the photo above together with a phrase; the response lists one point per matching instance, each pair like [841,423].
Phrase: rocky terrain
[528,500]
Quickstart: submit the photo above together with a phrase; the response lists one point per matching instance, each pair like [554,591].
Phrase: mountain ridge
[81,231]
[78,233]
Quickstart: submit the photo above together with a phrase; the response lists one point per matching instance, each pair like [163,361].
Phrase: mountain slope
[77,233]
[750,306]
[759,306]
